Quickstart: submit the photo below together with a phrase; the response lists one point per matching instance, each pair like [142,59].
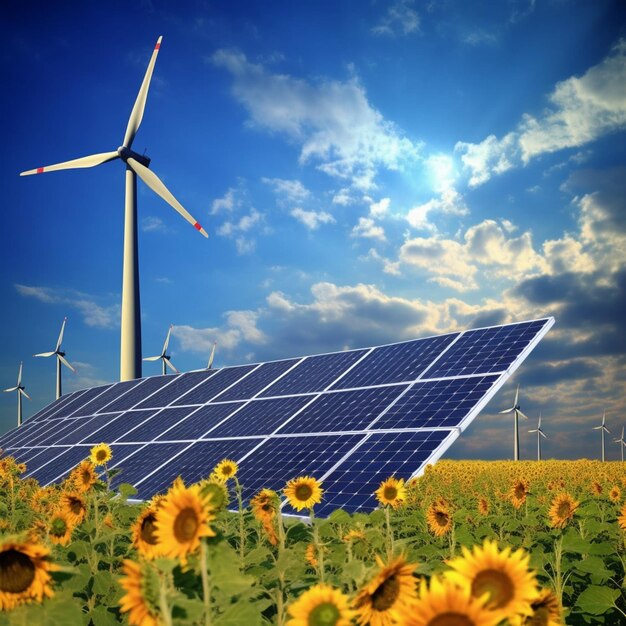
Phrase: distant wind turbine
[165,358]
[211,356]
[540,434]
[622,443]
[602,428]
[516,410]
[20,392]
[60,358]
[136,165]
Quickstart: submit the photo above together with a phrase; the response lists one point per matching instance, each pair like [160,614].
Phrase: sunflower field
[467,544]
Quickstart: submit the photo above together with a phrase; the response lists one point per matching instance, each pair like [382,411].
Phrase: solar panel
[349,418]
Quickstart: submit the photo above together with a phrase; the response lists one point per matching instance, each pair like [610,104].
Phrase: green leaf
[238,614]
[597,600]
[127,490]
[593,565]
[102,616]
[103,581]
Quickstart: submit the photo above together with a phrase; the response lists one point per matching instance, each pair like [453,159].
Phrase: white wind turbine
[20,392]
[540,434]
[516,410]
[165,358]
[211,356]
[622,443]
[60,358]
[136,165]
[602,428]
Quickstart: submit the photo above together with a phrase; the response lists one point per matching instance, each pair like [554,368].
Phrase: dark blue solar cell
[63,460]
[434,404]
[22,435]
[173,391]
[62,407]
[58,429]
[400,362]
[116,425]
[150,457]
[257,380]
[69,409]
[84,427]
[352,484]
[25,455]
[195,463]
[156,425]
[46,455]
[315,373]
[259,417]
[140,393]
[112,393]
[223,379]
[343,410]
[54,406]
[201,421]
[485,351]
[281,458]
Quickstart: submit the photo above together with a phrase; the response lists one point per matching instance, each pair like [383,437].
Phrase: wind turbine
[622,443]
[136,165]
[539,435]
[165,358]
[515,409]
[60,358]
[211,356]
[602,428]
[20,392]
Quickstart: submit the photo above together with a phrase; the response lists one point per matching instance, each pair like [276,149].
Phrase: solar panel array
[350,418]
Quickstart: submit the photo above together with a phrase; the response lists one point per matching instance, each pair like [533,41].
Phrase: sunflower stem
[280,591]
[389,533]
[318,547]
[242,533]
[166,613]
[206,583]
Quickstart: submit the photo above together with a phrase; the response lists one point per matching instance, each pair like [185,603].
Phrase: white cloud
[332,121]
[312,219]
[85,377]
[239,230]
[344,198]
[224,204]
[152,224]
[401,19]
[93,314]
[380,209]
[290,190]
[369,229]
[389,267]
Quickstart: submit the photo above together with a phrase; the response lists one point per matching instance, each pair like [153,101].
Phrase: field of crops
[468,544]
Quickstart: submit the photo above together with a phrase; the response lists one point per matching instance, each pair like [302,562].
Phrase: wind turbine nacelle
[126,153]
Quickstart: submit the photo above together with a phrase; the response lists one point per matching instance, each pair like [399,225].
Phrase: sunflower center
[86,477]
[386,594]
[58,527]
[390,493]
[101,455]
[76,506]
[451,619]
[520,491]
[186,525]
[147,529]
[17,572]
[325,614]
[442,518]
[497,584]
[227,470]
[564,509]
[303,492]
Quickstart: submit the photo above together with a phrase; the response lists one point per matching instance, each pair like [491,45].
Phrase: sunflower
[100,454]
[391,492]
[596,488]
[519,491]
[322,605]
[225,469]
[621,520]
[615,495]
[217,492]
[84,476]
[60,528]
[108,521]
[142,533]
[391,587]
[264,507]
[562,510]
[483,506]
[438,518]
[74,505]
[354,535]
[182,520]
[310,555]
[546,610]
[141,593]
[504,576]
[303,492]
[444,603]
[24,573]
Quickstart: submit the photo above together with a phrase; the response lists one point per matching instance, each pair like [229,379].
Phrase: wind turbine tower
[516,410]
[20,392]
[136,165]
[165,358]
[540,434]
[602,428]
[60,358]
[622,443]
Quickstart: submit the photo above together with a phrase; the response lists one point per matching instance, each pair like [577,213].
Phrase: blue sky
[368,172]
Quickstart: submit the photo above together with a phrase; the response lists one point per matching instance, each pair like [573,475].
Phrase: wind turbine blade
[20,390]
[522,415]
[152,358]
[45,354]
[541,433]
[212,356]
[19,375]
[65,362]
[154,182]
[60,340]
[170,365]
[516,396]
[167,340]
[88,161]
[11,389]
[506,411]
[136,115]
[534,430]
